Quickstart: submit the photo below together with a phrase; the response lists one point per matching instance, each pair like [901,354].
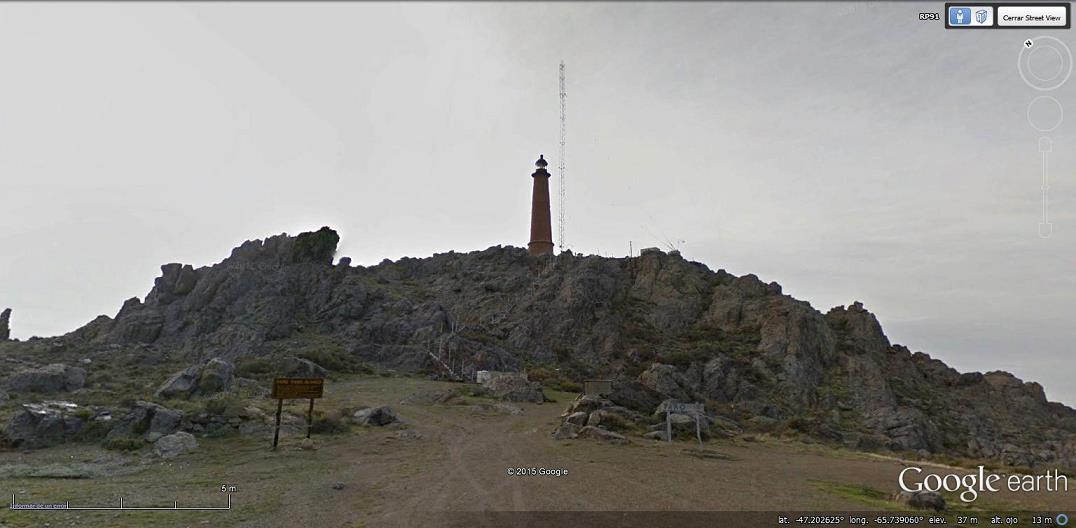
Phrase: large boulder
[635,396]
[216,375]
[175,444]
[587,403]
[578,418]
[566,431]
[377,416]
[49,379]
[665,380]
[181,384]
[43,424]
[147,420]
[513,386]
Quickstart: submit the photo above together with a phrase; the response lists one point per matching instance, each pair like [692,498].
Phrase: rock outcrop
[50,379]
[148,421]
[662,326]
[43,424]
[5,324]
[512,386]
[375,416]
[214,376]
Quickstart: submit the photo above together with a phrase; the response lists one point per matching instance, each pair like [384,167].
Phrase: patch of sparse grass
[863,494]
[254,367]
[124,444]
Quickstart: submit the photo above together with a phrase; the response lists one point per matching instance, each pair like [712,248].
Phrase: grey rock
[635,396]
[587,404]
[513,386]
[666,380]
[375,416]
[566,431]
[596,433]
[50,379]
[578,418]
[180,385]
[144,419]
[175,444]
[43,424]
[216,375]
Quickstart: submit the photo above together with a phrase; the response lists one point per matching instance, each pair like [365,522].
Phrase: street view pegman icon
[959,16]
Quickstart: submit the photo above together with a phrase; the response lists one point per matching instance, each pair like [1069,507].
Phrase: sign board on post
[296,389]
[691,409]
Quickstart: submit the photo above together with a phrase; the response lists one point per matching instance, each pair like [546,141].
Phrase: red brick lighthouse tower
[541,231]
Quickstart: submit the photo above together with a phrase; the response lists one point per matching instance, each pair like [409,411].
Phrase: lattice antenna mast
[561,164]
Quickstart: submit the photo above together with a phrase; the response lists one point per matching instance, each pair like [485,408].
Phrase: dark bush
[124,444]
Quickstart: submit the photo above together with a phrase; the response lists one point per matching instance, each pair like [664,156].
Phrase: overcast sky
[847,151]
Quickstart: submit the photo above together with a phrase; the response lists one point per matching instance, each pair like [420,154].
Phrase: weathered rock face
[669,327]
[376,416]
[5,324]
[215,376]
[146,420]
[42,424]
[50,379]
[513,386]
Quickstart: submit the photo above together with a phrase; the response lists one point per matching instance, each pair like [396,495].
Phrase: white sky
[847,151]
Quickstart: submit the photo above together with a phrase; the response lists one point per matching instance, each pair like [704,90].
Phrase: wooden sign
[298,388]
[691,409]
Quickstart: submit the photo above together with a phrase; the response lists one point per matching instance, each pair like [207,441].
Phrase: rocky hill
[660,325]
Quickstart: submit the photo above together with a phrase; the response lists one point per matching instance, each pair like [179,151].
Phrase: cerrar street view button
[1033,16]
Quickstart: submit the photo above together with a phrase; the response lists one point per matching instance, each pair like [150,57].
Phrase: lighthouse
[541,231]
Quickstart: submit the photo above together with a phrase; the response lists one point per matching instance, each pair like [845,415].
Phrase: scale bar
[67,506]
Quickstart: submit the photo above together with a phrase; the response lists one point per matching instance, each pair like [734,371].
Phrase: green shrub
[225,406]
[221,431]
[329,425]
[83,414]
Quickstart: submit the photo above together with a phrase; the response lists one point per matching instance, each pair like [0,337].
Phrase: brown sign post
[296,389]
